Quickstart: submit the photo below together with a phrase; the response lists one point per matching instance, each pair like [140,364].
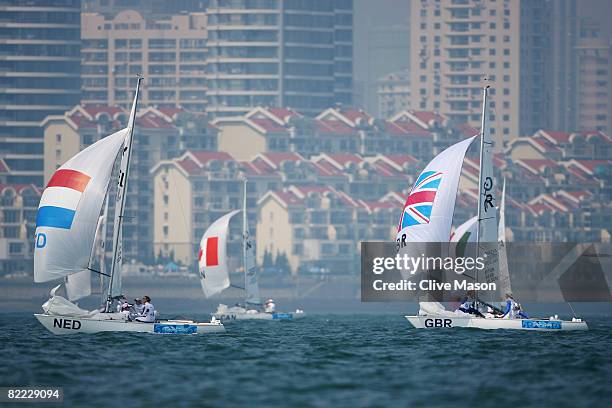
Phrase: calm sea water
[320,361]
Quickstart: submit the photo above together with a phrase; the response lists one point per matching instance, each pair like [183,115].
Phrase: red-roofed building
[18,204]
[320,226]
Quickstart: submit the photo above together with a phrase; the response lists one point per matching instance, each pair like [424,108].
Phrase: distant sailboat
[438,209]
[214,272]
[66,224]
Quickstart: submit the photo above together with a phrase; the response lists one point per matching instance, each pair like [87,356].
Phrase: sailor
[122,303]
[148,313]
[138,306]
[513,309]
[269,306]
[467,306]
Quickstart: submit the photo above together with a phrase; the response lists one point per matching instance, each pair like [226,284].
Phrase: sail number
[67,324]
[41,240]
[487,186]
[438,323]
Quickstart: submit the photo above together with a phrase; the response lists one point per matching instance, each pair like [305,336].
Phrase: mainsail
[212,256]
[251,285]
[115,288]
[504,273]
[487,213]
[69,209]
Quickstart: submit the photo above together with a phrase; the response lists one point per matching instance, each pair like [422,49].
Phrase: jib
[67,324]
[438,322]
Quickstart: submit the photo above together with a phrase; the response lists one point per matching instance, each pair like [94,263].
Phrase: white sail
[100,250]
[464,234]
[251,285]
[69,209]
[78,285]
[504,273]
[115,288]
[487,213]
[212,256]
[428,212]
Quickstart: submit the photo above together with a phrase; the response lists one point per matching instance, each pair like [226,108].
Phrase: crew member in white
[269,306]
[148,313]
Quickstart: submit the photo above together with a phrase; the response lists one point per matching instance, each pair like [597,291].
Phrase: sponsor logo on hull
[175,328]
[541,324]
[280,316]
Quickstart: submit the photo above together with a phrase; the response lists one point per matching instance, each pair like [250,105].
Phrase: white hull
[58,324]
[226,314]
[439,322]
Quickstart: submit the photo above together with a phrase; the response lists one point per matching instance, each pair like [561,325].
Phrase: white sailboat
[214,272]
[66,224]
[433,314]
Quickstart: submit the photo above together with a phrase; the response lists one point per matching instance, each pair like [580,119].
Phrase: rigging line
[236,286]
[488,218]
[98,272]
[572,309]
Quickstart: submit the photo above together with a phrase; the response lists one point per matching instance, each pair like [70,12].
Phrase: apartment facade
[459,43]
[393,91]
[170,53]
[337,130]
[19,204]
[594,79]
[278,53]
[39,76]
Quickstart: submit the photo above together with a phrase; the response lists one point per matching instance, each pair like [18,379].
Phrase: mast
[245,232]
[124,168]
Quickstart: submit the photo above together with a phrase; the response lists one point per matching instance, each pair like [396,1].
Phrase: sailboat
[438,207]
[214,271]
[66,224]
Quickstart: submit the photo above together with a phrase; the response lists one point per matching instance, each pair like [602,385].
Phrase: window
[58,138]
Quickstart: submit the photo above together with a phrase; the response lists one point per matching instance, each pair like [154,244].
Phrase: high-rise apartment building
[39,76]
[393,93]
[170,53]
[147,8]
[458,43]
[594,75]
[293,53]
[525,48]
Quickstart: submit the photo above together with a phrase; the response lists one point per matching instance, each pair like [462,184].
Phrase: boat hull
[72,325]
[232,316]
[441,322]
